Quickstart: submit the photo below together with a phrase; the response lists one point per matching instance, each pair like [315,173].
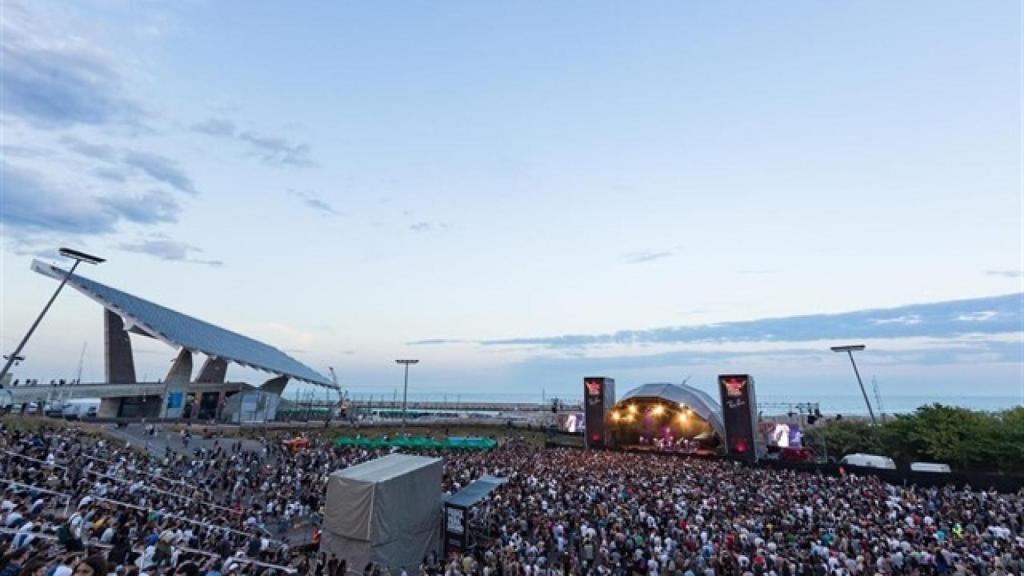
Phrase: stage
[649,449]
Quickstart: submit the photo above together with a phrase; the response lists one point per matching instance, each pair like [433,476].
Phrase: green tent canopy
[419,443]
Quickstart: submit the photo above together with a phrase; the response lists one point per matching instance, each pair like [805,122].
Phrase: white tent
[386,511]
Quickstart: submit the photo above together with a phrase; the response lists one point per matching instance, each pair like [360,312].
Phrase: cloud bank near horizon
[911,345]
[951,319]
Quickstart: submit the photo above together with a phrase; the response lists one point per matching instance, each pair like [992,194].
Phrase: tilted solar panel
[181,330]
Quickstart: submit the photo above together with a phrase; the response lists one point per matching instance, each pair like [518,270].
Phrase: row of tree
[964,439]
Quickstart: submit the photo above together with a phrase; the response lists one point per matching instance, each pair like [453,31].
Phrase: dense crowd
[81,504]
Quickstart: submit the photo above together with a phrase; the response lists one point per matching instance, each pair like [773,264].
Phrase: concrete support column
[118,361]
[275,386]
[272,391]
[109,408]
[214,370]
[176,384]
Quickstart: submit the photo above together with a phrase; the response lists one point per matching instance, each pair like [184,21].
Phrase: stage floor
[700,452]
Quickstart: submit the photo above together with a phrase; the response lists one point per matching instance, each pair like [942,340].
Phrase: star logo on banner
[734,386]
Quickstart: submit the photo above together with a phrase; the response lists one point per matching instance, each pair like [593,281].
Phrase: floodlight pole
[405,388]
[78,257]
[849,352]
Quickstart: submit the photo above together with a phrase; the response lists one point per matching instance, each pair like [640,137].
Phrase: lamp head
[850,348]
[80,256]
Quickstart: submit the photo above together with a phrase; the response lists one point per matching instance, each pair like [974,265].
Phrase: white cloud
[908,320]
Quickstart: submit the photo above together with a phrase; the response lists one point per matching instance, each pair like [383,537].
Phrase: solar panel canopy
[180,330]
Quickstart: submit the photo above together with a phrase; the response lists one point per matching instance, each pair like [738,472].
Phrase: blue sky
[518,194]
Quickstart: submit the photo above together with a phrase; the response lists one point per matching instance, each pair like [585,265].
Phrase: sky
[521,194]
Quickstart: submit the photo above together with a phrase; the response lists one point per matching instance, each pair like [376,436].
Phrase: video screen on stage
[570,422]
[784,435]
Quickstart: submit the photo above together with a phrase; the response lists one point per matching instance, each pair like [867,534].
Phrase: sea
[849,404]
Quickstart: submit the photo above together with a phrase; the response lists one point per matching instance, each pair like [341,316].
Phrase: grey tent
[386,511]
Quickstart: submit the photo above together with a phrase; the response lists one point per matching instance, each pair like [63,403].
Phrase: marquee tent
[386,511]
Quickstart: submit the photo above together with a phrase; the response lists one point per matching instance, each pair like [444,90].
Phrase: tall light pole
[849,351]
[78,257]
[405,388]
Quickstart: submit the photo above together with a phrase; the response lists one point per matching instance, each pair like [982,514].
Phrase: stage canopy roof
[700,402]
[182,331]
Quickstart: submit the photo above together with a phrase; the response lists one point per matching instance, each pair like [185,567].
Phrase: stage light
[682,417]
[682,406]
[631,408]
[616,416]
[658,410]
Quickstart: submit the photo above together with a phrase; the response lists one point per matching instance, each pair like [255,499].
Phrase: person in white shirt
[13,518]
[24,536]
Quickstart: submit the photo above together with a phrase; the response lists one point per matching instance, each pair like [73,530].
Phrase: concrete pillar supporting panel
[176,384]
[270,398]
[275,385]
[233,408]
[118,361]
[213,370]
[109,408]
[181,370]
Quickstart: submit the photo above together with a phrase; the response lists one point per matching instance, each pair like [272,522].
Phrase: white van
[81,409]
[936,467]
[869,461]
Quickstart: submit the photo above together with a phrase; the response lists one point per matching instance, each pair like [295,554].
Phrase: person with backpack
[67,537]
[164,546]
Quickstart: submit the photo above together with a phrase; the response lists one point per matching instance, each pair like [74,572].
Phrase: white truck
[868,461]
[80,409]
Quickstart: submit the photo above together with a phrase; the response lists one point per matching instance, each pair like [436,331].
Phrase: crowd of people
[80,503]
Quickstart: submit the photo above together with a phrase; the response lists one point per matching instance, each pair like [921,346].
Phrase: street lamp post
[405,388]
[78,257]
[849,351]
